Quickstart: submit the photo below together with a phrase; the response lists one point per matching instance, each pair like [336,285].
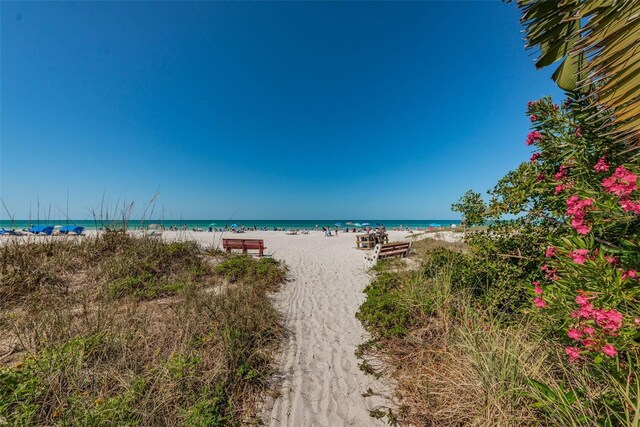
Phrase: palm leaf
[598,45]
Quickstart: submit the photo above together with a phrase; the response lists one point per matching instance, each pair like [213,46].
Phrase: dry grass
[126,331]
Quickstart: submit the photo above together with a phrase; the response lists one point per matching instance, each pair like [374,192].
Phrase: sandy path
[321,384]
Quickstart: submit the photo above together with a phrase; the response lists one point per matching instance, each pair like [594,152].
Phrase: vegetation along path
[321,382]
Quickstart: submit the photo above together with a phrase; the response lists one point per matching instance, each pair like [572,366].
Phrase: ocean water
[248,223]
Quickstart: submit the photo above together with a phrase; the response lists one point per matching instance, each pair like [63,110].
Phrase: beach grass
[121,330]
[456,361]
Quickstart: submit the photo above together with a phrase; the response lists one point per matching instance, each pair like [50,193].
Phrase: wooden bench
[244,245]
[390,250]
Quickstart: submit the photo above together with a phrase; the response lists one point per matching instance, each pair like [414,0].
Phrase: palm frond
[598,44]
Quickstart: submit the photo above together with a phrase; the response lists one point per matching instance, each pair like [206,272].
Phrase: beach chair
[41,230]
[72,229]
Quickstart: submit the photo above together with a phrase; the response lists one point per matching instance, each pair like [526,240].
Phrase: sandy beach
[320,383]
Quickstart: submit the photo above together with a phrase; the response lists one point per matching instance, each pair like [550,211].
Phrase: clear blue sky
[262,110]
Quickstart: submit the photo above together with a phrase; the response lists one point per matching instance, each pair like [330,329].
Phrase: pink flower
[533,117]
[537,288]
[588,343]
[582,300]
[636,321]
[562,172]
[609,350]
[573,353]
[551,251]
[574,334]
[550,272]
[608,319]
[578,132]
[602,165]
[588,330]
[539,302]
[611,259]
[622,183]
[630,274]
[630,206]
[540,178]
[534,137]
[558,189]
[579,256]
[534,157]
[581,227]
[576,210]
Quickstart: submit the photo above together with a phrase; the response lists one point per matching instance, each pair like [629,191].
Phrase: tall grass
[458,363]
[119,330]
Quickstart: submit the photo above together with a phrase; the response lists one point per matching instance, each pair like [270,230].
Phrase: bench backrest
[243,243]
[391,249]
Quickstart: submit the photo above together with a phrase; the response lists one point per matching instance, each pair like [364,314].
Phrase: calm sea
[218,223]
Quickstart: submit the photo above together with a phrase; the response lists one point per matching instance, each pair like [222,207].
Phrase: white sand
[321,384]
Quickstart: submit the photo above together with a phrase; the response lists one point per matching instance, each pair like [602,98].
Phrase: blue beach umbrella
[338,224]
[357,224]
[365,223]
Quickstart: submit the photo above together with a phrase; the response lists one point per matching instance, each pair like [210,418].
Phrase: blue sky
[262,110]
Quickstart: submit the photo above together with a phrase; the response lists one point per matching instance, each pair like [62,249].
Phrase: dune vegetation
[536,320]
[121,330]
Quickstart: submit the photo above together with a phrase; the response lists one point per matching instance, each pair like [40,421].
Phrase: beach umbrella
[349,223]
[338,224]
[365,223]
[234,225]
[212,224]
[357,224]
[434,225]
[154,227]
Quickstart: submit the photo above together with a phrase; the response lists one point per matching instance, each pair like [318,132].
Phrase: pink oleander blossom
[573,353]
[534,137]
[540,177]
[539,302]
[611,259]
[578,132]
[582,300]
[630,206]
[533,118]
[550,252]
[629,274]
[622,183]
[534,157]
[576,210]
[609,350]
[562,173]
[601,165]
[588,330]
[550,272]
[574,334]
[558,189]
[579,256]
